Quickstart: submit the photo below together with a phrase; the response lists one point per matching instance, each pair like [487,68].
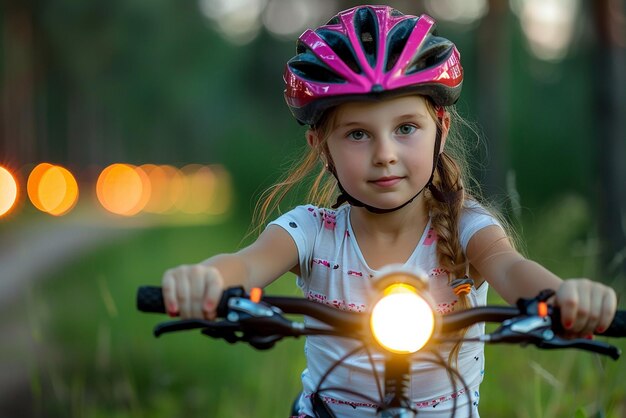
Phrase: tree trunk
[609,72]
[17,110]
[492,99]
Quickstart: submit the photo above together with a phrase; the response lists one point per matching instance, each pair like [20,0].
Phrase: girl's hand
[587,307]
[192,291]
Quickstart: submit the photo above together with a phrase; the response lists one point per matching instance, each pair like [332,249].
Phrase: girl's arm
[193,291]
[586,306]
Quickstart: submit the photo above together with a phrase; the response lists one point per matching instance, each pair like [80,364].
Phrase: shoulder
[314,217]
[307,211]
[326,217]
[474,217]
[472,205]
[473,210]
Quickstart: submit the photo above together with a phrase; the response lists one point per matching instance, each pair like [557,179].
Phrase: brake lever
[255,323]
[537,330]
[188,324]
[522,330]
[599,347]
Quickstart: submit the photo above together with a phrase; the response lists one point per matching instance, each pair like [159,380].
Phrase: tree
[610,108]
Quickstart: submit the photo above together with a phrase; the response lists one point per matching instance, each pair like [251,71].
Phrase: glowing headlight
[402,321]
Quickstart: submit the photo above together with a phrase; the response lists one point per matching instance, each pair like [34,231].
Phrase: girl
[376,89]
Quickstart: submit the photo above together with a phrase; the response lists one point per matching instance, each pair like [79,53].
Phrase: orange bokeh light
[8,191]
[222,198]
[32,186]
[126,189]
[52,189]
[58,191]
[166,184]
[200,185]
[123,189]
[177,186]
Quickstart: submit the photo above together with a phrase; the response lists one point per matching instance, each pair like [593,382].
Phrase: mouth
[386,181]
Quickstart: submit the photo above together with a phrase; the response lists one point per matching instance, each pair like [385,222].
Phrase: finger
[197,290]
[583,309]
[567,300]
[182,290]
[609,306]
[596,299]
[213,291]
[168,284]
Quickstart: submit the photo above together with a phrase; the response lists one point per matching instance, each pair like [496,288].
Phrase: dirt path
[27,254]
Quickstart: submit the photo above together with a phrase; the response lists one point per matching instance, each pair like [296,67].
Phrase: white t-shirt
[333,271]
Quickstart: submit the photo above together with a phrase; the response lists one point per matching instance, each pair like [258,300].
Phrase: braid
[445,221]
[445,217]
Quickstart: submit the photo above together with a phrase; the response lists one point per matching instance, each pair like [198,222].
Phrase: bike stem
[396,400]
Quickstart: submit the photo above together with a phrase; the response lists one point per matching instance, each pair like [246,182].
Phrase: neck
[411,219]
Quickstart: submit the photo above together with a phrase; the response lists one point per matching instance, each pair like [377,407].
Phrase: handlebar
[259,321]
[264,324]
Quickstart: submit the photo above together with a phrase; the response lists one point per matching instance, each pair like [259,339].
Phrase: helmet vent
[341,46]
[396,41]
[434,52]
[301,47]
[308,67]
[367,31]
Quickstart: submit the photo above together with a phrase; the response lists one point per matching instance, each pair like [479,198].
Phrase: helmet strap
[450,196]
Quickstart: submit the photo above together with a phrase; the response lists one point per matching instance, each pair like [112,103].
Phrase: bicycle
[260,321]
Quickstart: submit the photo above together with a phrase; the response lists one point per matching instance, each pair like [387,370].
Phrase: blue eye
[406,129]
[357,135]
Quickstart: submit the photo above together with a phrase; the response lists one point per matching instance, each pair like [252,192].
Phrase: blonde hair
[323,186]
[451,174]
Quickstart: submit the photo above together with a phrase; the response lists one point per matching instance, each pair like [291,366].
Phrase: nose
[384,152]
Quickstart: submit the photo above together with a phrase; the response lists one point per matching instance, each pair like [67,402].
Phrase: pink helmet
[369,52]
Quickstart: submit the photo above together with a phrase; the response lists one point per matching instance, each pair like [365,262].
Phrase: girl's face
[383,151]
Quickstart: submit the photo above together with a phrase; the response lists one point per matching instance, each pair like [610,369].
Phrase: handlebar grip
[150,299]
[617,329]
[618,326]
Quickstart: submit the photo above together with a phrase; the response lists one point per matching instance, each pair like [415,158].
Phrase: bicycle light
[402,320]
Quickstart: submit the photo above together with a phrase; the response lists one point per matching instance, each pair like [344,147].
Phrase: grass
[97,357]
[100,358]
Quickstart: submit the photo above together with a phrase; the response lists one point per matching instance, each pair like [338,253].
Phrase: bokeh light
[201,191]
[52,189]
[548,25]
[58,191]
[160,199]
[200,188]
[287,19]
[223,194]
[123,189]
[8,191]
[175,189]
[241,21]
[462,12]
[206,190]
[32,186]
[238,20]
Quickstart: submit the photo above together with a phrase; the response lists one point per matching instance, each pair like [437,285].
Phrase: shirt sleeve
[302,223]
[473,219]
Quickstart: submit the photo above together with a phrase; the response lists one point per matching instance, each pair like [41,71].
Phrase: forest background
[85,84]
